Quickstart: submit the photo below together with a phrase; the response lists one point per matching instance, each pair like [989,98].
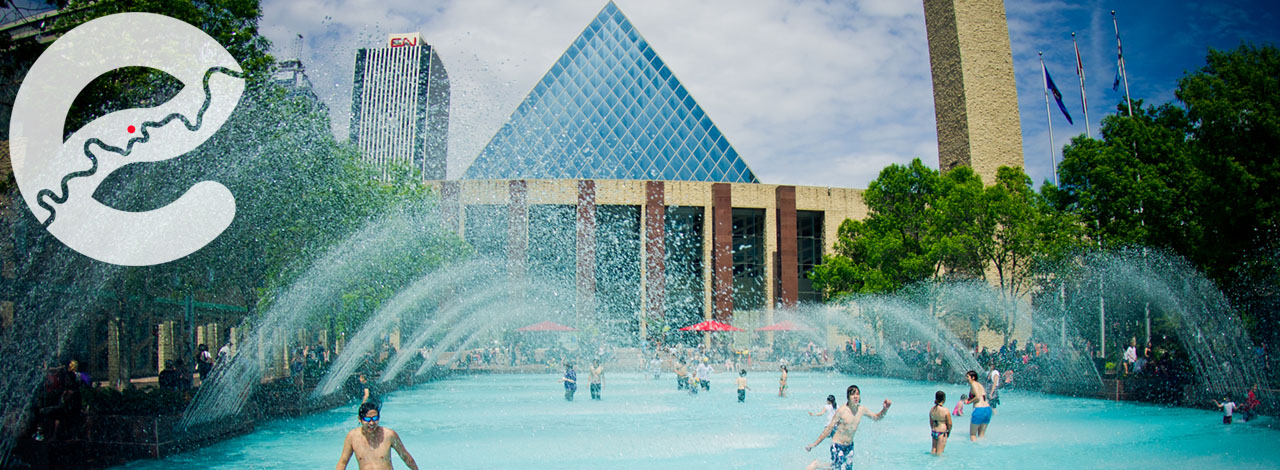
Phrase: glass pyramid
[610,109]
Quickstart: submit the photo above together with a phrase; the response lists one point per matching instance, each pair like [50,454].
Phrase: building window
[809,251]
[748,259]
[618,269]
[486,229]
[683,302]
[553,244]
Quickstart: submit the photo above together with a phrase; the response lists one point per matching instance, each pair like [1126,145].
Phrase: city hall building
[610,176]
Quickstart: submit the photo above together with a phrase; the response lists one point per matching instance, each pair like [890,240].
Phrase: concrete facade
[974,93]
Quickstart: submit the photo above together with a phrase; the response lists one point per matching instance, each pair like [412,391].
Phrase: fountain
[412,276]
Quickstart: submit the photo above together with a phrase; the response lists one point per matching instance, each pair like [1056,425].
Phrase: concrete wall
[975,95]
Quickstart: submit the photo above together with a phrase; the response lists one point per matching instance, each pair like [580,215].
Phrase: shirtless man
[372,444]
[981,409]
[845,424]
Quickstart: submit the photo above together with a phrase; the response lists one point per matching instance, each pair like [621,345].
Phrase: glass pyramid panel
[609,108]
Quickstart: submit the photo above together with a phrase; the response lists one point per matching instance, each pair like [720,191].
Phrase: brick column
[586,249]
[655,249]
[722,252]
[518,227]
[788,260]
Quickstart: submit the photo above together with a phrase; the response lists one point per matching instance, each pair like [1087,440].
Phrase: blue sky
[822,93]
[1162,40]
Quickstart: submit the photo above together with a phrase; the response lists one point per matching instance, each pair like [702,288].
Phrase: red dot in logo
[132,129]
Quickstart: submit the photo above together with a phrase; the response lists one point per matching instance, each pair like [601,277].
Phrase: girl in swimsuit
[959,409]
[782,382]
[939,423]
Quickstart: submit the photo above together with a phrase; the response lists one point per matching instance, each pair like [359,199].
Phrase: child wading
[742,386]
[1228,407]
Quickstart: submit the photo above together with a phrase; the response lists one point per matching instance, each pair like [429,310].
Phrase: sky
[819,93]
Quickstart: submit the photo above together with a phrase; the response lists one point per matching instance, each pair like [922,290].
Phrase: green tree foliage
[298,190]
[923,225]
[1202,180]
[892,247]
[233,23]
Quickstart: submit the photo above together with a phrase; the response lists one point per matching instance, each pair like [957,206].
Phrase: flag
[1080,73]
[1057,95]
[1115,86]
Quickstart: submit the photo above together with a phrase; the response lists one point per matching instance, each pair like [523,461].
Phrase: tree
[1200,180]
[892,247]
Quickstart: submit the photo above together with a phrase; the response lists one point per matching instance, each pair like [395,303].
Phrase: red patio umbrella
[547,326]
[710,325]
[787,325]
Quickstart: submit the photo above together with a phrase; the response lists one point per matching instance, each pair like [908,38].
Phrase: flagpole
[1080,72]
[1053,163]
[1120,54]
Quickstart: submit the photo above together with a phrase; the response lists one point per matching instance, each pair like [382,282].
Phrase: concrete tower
[975,98]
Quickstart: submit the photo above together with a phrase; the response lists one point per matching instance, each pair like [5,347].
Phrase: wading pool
[523,421]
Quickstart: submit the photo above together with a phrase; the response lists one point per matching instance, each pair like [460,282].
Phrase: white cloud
[809,92]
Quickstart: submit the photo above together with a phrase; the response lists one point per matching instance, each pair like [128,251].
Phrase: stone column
[655,251]
[722,251]
[115,365]
[788,265]
[450,206]
[165,343]
[586,249]
[518,227]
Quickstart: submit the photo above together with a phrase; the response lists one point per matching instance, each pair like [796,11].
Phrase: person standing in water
[704,375]
[782,381]
[1228,407]
[842,428]
[981,416]
[372,444]
[1251,403]
[570,380]
[939,423]
[742,386]
[597,379]
[365,394]
[682,375]
[828,409]
[993,393]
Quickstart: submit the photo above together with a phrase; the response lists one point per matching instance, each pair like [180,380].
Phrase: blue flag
[1057,95]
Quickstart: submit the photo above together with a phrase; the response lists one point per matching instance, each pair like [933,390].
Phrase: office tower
[400,107]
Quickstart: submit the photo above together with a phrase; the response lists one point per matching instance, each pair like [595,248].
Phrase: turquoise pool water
[523,422]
